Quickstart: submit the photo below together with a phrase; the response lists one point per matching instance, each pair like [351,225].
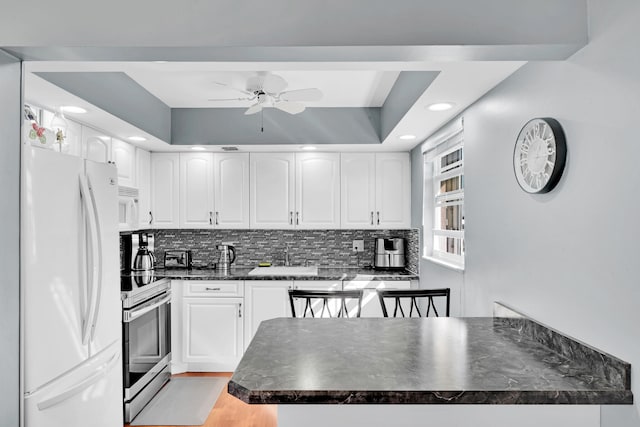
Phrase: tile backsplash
[317,247]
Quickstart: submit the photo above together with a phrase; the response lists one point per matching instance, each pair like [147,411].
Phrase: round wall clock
[539,155]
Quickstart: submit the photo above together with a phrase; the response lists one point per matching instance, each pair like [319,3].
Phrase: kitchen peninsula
[453,371]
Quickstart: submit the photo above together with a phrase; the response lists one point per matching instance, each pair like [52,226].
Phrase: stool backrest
[406,301]
[326,303]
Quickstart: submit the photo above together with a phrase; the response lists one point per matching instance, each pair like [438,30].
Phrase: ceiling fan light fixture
[440,106]
[268,90]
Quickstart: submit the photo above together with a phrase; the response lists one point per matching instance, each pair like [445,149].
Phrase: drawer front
[218,288]
[377,284]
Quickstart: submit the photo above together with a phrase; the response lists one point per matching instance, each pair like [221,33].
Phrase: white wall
[10,119]
[568,258]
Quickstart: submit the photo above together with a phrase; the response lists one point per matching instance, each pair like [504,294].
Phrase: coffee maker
[389,253]
[137,254]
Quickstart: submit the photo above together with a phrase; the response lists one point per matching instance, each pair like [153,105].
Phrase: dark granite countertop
[364,274]
[419,361]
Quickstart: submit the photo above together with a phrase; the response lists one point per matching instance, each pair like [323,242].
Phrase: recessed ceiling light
[104,137]
[407,137]
[198,148]
[73,109]
[440,106]
[160,62]
[137,138]
[308,147]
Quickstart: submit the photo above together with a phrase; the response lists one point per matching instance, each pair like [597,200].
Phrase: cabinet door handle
[212,289]
[240,310]
[150,218]
[210,218]
[217,218]
[371,217]
[297,217]
[378,213]
[290,217]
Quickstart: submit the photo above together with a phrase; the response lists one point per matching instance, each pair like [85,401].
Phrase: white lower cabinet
[215,321]
[265,299]
[212,331]
[370,301]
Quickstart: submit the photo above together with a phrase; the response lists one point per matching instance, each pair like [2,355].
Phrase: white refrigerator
[70,285]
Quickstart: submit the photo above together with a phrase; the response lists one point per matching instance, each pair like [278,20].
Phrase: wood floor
[231,412]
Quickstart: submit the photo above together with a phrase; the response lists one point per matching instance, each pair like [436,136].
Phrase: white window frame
[450,139]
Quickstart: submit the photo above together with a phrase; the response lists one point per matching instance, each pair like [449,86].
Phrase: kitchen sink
[285,271]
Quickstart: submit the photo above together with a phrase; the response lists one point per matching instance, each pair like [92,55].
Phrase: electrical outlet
[358,245]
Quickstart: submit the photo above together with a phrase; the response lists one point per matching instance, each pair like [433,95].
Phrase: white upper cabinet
[231,181]
[196,190]
[272,190]
[143,179]
[295,190]
[165,177]
[358,190]
[317,190]
[96,145]
[376,190]
[393,190]
[124,156]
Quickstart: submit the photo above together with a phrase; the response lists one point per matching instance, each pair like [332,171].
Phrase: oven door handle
[130,315]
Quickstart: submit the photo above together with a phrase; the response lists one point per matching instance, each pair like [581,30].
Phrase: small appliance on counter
[389,253]
[178,259]
[145,260]
[138,252]
[227,256]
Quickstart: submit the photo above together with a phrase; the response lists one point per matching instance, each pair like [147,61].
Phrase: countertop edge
[342,274]
[461,397]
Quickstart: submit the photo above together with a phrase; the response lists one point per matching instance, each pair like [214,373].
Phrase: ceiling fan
[268,90]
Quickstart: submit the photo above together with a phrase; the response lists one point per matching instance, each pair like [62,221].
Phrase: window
[444,197]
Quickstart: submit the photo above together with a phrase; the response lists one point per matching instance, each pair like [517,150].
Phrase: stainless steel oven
[146,337]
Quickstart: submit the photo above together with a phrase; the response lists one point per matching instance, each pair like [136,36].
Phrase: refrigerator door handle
[98,281]
[95,376]
[92,267]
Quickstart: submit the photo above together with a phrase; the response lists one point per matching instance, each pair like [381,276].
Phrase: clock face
[539,155]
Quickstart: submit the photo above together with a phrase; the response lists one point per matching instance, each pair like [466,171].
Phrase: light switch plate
[358,245]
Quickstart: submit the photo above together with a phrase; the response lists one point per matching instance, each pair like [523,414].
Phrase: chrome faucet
[287,260]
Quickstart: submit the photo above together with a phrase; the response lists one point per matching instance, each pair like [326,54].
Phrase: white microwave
[127,208]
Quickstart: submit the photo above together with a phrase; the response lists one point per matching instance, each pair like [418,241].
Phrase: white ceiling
[193,88]
[344,84]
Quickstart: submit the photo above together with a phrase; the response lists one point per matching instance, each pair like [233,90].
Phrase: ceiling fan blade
[311,94]
[231,99]
[273,83]
[290,107]
[228,86]
[256,108]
